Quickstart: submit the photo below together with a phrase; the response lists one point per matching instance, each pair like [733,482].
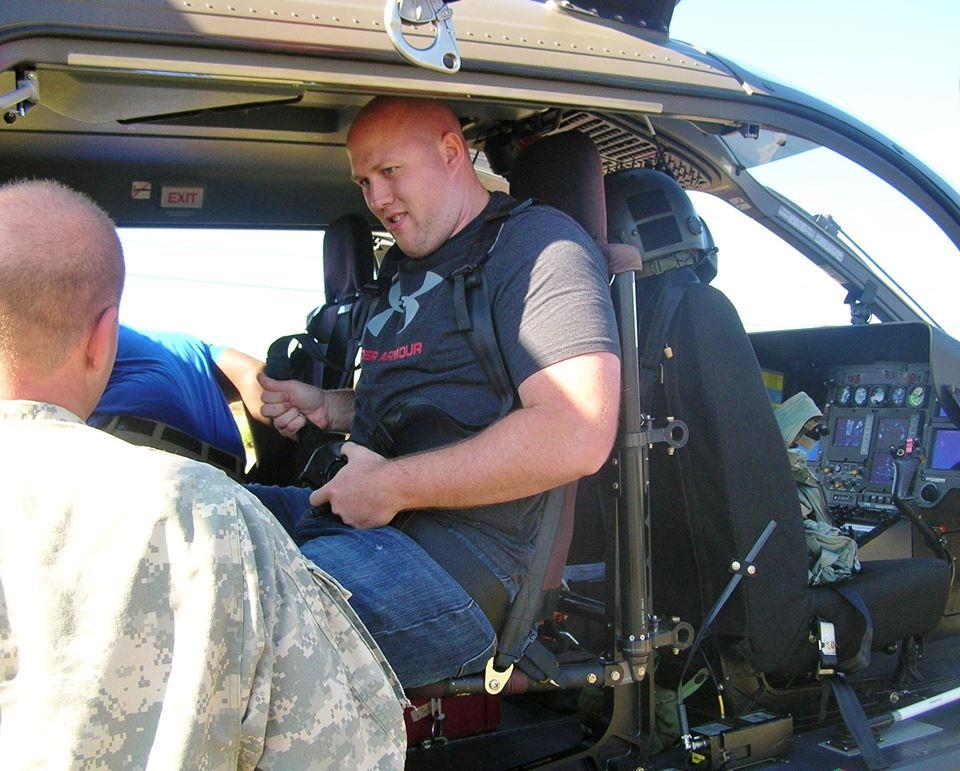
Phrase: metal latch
[827,644]
[493,680]
[442,54]
[15,104]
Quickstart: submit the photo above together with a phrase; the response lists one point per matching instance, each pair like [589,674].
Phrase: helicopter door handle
[442,54]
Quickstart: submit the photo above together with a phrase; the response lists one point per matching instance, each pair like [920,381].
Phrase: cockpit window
[875,220]
[771,284]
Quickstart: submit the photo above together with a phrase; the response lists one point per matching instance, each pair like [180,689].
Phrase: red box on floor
[462,716]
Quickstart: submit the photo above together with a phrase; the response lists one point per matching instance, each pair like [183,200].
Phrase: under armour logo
[407,304]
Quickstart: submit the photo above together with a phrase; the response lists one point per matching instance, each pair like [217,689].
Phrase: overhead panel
[104,97]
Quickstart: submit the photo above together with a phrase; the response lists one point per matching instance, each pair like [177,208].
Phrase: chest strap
[471,301]
[472,306]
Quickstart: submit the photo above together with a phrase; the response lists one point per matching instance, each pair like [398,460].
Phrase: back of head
[61,266]
[650,210]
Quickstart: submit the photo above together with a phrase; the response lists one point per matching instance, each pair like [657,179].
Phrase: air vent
[623,149]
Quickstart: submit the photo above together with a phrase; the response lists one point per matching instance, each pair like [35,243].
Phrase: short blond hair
[61,266]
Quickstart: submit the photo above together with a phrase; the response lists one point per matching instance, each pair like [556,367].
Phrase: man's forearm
[529,451]
[237,375]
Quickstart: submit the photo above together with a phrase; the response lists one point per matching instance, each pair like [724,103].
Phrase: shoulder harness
[471,300]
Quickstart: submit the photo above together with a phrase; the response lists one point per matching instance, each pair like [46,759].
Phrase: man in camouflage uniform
[151,611]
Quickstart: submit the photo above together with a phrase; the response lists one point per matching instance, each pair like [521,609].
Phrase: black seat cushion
[904,596]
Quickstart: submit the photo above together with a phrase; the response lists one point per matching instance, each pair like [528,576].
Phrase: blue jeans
[428,627]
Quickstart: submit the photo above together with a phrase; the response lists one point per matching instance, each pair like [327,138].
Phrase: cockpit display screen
[848,432]
[946,450]
[881,471]
[892,431]
[813,454]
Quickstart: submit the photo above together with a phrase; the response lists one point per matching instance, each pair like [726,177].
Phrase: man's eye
[364,183]
[389,171]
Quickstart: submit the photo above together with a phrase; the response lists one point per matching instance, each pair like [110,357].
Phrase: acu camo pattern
[154,614]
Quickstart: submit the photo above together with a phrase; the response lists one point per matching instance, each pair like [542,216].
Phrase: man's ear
[452,148]
[102,343]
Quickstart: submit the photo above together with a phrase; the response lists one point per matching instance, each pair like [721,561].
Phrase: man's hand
[362,494]
[290,403]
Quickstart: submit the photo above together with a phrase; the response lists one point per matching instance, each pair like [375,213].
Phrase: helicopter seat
[712,499]
[348,266]
[563,170]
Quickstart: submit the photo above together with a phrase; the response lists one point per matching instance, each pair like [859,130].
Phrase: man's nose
[379,193]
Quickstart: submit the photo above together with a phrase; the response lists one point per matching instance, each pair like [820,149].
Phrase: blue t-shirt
[170,377]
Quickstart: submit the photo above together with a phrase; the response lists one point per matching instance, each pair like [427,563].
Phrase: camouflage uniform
[154,613]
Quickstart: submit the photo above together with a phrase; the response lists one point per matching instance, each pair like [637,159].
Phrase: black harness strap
[850,708]
[519,633]
[278,364]
[856,721]
[861,659]
[471,304]
[461,563]
[336,341]
[370,293]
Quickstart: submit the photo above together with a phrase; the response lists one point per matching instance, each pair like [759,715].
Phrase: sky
[895,66]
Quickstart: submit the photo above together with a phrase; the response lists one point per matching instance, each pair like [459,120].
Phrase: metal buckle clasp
[442,54]
[493,680]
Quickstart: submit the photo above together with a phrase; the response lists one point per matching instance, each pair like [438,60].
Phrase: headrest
[348,258]
[565,171]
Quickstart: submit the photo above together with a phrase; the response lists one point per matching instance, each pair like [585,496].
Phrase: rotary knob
[930,492]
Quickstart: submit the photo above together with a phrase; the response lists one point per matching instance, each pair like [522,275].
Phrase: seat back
[348,265]
[564,171]
[712,499]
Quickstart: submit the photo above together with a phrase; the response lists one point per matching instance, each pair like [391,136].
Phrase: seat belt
[849,705]
[471,304]
[861,659]
[460,562]
[856,721]
[663,307]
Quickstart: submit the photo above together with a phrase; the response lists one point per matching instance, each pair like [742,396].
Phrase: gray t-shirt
[550,301]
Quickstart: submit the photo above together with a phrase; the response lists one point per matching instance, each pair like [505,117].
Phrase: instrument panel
[869,410]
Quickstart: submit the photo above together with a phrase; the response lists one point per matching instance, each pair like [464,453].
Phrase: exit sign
[181,197]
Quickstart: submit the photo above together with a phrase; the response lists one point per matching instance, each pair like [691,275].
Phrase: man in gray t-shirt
[551,309]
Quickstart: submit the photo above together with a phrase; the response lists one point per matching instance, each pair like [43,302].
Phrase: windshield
[873,217]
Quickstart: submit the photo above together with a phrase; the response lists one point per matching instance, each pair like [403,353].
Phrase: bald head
[426,118]
[61,267]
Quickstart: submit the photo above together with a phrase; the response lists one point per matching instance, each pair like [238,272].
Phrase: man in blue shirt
[179,380]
